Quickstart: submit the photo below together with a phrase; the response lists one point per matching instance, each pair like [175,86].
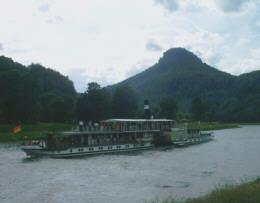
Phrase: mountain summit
[182,75]
[176,55]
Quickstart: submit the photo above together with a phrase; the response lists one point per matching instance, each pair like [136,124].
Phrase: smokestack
[147,114]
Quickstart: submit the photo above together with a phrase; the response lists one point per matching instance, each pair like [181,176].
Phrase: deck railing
[122,128]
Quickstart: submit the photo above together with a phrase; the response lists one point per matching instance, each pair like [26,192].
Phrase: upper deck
[125,125]
[136,124]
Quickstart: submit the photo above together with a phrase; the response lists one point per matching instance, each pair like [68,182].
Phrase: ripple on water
[162,186]
[183,184]
[207,173]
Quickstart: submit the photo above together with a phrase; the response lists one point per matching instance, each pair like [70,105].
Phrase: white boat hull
[193,141]
[36,151]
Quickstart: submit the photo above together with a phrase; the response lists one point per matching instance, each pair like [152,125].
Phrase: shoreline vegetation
[248,192]
[38,131]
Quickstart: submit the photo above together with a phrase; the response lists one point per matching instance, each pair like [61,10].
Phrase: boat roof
[82,133]
[137,120]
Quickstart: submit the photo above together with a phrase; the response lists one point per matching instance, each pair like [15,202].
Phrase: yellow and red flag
[17,129]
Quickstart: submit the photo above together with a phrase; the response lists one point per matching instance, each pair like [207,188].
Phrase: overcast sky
[107,41]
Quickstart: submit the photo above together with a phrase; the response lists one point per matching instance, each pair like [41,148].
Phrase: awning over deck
[137,120]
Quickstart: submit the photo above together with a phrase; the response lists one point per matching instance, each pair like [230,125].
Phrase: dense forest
[183,76]
[178,86]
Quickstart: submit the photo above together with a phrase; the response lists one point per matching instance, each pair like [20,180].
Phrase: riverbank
[239,193]
[213,125]
[38,131]
[32,132]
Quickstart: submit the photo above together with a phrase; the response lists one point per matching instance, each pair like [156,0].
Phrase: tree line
[37,94]
[98,104]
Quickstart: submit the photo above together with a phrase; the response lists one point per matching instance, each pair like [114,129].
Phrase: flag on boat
[17,129]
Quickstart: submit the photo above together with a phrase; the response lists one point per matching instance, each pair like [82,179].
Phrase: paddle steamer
[113,135]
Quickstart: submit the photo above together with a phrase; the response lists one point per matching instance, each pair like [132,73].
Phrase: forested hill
[27,93]
[182,75]
[34,93]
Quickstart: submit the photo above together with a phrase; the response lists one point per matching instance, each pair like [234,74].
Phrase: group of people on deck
[90,127]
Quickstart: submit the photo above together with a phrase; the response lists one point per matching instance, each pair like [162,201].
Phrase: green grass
[38,131]
[33,132]
[229,193]
[213,125]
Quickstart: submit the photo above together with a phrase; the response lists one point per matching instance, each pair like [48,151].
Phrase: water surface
[131,177]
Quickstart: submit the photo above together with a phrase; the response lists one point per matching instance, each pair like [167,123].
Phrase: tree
[125,102]
[52,81]
[155,111]
[93,105]
[169,108]
[197,109]
[55,108]
[212,113]
[18,97]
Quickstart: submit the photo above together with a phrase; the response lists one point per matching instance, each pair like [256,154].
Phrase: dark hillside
[8,64]
[52,81]
[248,84]
[34,93]
[181,74]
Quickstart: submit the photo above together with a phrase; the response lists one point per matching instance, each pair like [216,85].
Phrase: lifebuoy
[117,127]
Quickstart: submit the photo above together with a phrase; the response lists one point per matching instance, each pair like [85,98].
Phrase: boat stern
[31,148]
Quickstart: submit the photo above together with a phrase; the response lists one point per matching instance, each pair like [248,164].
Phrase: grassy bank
[36,131]
[229,193]
[213,125]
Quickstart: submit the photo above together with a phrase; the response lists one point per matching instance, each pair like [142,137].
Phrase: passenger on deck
[96,126]
[81,126]
[90,125]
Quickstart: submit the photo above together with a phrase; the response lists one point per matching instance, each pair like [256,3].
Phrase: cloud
[247,64]
[151,45]
[82,76]
[214,58]
[1,46]
[230,5]
[44,8]
[170,5]
[139,67]
[78,78]
[58,18]
[50,21]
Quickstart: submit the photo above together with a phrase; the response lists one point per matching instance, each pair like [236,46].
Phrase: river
[191,171]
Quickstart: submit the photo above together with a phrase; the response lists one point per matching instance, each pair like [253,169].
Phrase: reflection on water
[131,177]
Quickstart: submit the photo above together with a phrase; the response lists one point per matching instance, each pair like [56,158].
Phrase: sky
[107,41]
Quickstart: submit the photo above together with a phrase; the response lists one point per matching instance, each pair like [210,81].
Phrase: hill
[182,75]
[31,93]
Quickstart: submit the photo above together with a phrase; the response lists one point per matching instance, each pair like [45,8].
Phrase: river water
[132,177]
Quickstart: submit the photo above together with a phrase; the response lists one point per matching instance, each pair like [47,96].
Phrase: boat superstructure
[192,136]
[182,135]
